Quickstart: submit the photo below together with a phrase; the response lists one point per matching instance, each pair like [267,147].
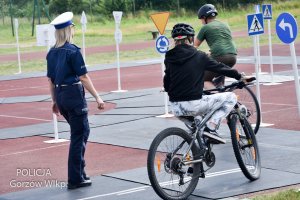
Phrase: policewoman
[68,79]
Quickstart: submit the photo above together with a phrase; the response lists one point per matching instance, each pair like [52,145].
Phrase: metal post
[255,38]
[270,51]
[118,61]
[16,23]
[294,60]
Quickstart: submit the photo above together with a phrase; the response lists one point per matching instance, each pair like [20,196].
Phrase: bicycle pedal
[202,175]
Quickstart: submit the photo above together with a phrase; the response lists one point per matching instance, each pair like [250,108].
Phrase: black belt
[65,85]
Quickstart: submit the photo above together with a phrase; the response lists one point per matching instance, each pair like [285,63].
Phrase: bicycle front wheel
[166,173]
[245,147]
[247,98]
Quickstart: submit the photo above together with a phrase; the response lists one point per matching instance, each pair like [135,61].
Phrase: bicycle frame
[197,133]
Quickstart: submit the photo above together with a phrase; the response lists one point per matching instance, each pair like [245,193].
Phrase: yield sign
[160,20]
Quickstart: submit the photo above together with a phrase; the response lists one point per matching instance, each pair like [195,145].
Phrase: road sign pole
[255,38]
[271,56]
[16,23]
[118,38]
[83,22]
[257,10]
[165,94]
[270,52]
[294,61]
[118,62]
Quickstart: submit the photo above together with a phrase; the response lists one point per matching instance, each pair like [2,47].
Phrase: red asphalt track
[279,106]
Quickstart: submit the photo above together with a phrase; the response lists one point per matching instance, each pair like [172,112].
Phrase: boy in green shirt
[219,39]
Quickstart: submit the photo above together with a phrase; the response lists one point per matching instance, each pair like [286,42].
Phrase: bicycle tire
[247,97]
[166,189]
[245,147]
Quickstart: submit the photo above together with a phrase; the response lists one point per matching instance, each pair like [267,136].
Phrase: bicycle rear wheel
[247,98]
[245,147]
[166,174]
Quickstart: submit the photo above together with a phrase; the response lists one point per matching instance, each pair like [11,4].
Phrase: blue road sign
[162,44]
[286,28]
[267,11]
[255,24]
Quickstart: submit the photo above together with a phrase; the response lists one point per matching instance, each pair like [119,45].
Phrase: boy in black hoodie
[183,80]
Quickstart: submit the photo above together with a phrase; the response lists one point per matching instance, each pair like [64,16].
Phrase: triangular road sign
[255,26]
[160,20]
[267,12]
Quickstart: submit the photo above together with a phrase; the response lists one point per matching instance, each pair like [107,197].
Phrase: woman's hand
[100,103]
[55,109]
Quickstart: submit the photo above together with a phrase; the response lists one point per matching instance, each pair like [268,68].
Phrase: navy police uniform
[65,65]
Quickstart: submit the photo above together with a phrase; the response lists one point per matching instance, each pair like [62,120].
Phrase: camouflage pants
[221,102]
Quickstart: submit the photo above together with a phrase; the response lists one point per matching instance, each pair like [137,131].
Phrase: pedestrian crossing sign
[267,11]
[255,24]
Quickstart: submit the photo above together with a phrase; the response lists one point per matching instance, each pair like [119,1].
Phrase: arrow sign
[286,28]
[282,25]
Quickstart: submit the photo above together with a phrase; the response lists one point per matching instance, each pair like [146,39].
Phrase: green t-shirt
[218,38]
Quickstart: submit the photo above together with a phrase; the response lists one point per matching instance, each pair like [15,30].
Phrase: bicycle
[174,152]
[246,97]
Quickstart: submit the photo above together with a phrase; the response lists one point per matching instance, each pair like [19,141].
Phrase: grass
[290,194]
[135,29]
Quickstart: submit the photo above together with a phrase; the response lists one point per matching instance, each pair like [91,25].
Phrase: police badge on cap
[63,20]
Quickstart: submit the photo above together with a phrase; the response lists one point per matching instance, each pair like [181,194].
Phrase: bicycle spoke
[171,180]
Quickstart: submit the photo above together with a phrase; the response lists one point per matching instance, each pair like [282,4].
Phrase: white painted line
[20,152]
[30,118]
[129,192]
[148,61]
[280,110]
[116,193]
[138,189]
[22,88]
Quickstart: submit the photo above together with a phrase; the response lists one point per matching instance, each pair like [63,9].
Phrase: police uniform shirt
[65,64]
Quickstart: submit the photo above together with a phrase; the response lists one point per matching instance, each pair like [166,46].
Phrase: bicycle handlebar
[237,84]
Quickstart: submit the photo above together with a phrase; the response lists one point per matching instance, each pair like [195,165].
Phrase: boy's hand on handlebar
[247,79]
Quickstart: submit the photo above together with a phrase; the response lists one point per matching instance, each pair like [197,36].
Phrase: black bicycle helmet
[206,11]
[182,30]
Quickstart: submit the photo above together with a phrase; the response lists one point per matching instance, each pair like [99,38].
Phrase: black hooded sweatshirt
[184,72]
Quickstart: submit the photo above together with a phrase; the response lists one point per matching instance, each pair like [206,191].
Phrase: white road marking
[138,189]
[116,193]
[22,88]
[30,118]
[20,152]
[133,191]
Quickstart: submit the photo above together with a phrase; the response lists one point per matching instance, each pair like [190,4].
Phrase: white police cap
[63,20]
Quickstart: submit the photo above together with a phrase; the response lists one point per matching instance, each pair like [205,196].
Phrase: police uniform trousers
[73,106]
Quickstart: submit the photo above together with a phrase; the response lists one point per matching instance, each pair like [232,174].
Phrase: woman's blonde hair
[63,35]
